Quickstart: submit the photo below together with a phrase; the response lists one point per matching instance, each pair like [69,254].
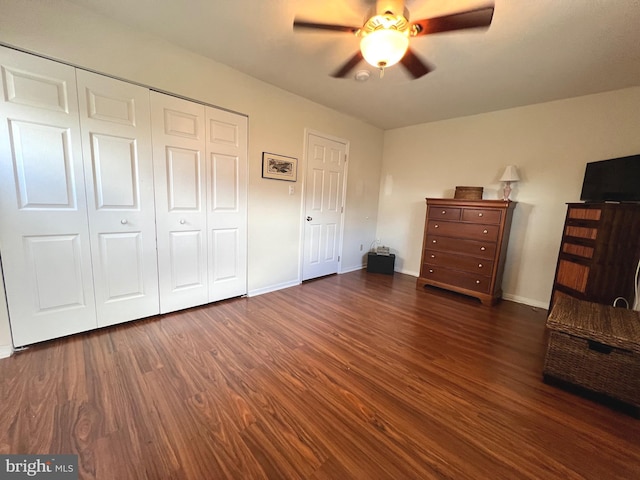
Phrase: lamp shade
[384,47]
[510,174]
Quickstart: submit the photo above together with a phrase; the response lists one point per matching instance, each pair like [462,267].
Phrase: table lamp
[510,175]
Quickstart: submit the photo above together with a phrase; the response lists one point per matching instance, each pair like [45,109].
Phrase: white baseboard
[272,288]
[352,269]
[409,272]
[525,301]
[5,351]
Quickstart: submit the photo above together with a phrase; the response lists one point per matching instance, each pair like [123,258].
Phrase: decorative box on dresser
[599,253]
[465,245]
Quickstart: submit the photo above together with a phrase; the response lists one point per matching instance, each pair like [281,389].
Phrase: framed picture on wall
[279,167]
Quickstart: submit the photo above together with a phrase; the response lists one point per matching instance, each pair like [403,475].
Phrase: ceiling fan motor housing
[392,7]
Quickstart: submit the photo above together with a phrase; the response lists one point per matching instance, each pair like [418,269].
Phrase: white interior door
[116,141]
[180,191]
[226,168]
[324,196]
[44,238]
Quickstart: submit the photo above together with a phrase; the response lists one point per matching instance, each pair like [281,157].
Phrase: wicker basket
[468,193]
[596,347]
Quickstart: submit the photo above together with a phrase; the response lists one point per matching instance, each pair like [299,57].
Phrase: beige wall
[550,143]
[277,123]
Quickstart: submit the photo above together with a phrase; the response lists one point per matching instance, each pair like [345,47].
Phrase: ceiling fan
[384,36]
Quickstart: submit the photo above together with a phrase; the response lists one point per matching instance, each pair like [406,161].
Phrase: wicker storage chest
[596,347]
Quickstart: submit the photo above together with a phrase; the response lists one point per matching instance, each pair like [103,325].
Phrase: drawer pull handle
[482,249]
[433,256]
[485,231]
[444,212]
[477,282]
[599,347]
[480,214]
[479,265]
[436,226]
[430,271]
[434,241]
[124,221]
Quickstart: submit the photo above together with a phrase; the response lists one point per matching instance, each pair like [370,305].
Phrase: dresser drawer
[584,213]
[447,213]
[458,245]
[476,231]
[478,215]
[469,281]
[480,266]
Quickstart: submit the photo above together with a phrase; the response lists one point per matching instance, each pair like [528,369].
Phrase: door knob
[309,219]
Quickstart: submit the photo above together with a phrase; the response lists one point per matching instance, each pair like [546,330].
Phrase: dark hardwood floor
[351,376]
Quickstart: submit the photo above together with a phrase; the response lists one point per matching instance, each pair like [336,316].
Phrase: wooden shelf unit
[599,252]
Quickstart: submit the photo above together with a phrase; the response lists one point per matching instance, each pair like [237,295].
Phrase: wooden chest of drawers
[465,245]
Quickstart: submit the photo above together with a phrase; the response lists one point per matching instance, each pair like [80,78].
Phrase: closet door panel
[226,152]
[115,166]
[180,190]
[116,139]
[44,237]
[124,251]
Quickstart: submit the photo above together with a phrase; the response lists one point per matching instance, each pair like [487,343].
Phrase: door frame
[303,194]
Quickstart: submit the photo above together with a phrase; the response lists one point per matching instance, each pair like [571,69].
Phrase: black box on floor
[380,263]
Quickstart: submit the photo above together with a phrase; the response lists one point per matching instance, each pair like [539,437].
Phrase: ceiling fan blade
[348,66]
[414,65]
[324,26]
[477,18]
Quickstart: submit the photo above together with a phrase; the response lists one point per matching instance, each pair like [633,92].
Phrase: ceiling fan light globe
[384,47]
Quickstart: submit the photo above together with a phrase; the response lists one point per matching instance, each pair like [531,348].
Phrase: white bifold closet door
[44,233]
[80,207]
[180,189]
[200,174]
[115,123]
[226,150]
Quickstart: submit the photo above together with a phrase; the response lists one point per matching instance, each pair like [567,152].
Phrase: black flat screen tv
[614,180]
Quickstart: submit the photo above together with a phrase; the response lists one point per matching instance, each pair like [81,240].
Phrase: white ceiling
[535,51]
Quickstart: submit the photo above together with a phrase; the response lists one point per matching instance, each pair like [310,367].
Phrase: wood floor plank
[354,376]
